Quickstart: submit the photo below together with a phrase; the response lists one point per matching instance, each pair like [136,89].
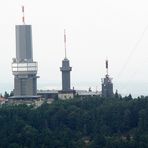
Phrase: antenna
[106,62]
[23,17]
[65,42]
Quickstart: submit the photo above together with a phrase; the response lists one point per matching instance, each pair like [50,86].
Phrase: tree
[6,95]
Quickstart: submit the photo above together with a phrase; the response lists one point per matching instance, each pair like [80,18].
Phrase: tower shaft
[107,85]
[23,43]
[65,69]
[24,68]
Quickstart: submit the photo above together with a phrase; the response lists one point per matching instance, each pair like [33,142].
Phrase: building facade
[24,68]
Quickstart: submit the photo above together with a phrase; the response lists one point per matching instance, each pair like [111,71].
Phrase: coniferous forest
[91,122]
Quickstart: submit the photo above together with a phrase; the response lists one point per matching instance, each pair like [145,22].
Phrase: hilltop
[89,122]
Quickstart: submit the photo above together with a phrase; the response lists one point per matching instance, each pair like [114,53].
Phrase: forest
[82,122]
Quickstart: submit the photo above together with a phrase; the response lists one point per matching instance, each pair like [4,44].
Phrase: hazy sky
[96,29]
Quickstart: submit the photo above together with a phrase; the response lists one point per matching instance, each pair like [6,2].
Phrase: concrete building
[24,68]
[85,93]
[107,85]
[66,92]
[48,94]
[3,100]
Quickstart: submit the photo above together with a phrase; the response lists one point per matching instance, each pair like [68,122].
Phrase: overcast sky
[96,29]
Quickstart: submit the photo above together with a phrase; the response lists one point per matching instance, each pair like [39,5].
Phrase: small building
[64,95]
[3,100]
[28,100]
[85,93]
[48,94]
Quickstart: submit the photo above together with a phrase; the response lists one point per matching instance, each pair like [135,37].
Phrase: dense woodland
[91,122]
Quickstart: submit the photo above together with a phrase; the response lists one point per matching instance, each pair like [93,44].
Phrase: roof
[24,97]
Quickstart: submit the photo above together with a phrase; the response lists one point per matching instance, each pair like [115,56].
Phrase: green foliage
[6,95]
[89,122]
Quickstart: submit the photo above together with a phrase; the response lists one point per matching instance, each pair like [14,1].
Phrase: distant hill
[91,122]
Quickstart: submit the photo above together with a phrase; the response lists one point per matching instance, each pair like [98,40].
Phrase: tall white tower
[24,68]
[66,91]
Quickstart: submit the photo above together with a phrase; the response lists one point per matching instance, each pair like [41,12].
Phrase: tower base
[28,100]
[65,95]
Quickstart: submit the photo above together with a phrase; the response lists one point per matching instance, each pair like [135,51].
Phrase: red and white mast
[65,43]
[23,17]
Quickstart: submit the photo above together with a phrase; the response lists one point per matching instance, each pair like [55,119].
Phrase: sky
[96,30]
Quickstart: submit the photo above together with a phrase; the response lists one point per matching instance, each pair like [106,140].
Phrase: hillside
[92,122]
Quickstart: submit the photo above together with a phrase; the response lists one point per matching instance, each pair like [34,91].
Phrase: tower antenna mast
[106,67]
[65,43]
[23,17]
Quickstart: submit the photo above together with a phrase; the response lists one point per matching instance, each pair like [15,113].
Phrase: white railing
[24,67]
